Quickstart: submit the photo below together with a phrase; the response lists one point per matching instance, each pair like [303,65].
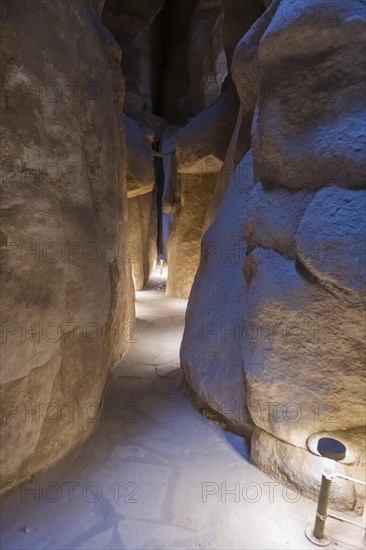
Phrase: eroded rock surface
[142,226]
[200,151]
[142,205]
[136,28]
[207,63]
[67,292]
[202,145]
[211,347]
[140,168]
[308,129]
[298,323]
[266,200]
[186,231]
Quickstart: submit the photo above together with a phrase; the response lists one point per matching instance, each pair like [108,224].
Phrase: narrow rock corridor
[156,474]
[182,246]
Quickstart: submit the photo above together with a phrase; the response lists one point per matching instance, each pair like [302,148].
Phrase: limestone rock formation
[140,169]
[253,114]
[297,331]
[168,150]
[200,151]
[67,290]
[313,296]
[202,145]
[142,223]
[308,129]
[211,346]
[186,231]
[244,73]
[189,38]
[136,28]
[207,64]
[154,36]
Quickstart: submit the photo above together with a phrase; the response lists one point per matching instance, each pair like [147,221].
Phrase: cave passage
[182,290]
[156,473]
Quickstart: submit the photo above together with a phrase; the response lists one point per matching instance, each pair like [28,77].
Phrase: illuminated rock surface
[156,474]
[142,216]
[233,146]
[141,249]
[67,292]
[290,311]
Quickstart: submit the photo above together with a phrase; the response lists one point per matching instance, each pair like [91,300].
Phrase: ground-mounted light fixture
[332,451]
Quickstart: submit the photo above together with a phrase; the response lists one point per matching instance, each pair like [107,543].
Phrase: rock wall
[186,46]
[211,347]
[207,65]
[200,149]
[202,145]
[67,291]
[264,188]
[142,202]
[142,226]
[132,25]
[186,231]
[275,324]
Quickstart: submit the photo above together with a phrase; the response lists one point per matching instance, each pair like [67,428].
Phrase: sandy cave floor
[144,479]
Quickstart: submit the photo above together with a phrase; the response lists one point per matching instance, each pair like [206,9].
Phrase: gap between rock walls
[204,157]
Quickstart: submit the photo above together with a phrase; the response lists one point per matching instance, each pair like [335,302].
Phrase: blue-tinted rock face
[274,335]
[308,130]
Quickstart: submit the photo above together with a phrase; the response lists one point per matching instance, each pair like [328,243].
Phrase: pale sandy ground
[141,481]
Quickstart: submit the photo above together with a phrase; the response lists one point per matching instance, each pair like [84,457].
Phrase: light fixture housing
[331,449]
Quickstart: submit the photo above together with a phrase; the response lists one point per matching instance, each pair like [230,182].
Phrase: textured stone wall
[275,324]
[202,145]
[142,203]
[200,149]
[138,28]
[207,65]
[67,291]
[260,118]
[142,227]
[132,25]
[180,45]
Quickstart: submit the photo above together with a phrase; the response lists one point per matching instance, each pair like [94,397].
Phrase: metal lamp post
[333,451]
